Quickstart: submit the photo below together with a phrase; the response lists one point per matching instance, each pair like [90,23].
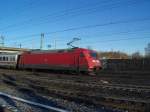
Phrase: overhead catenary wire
[74,14]
[105,41]
[88,26]
[75,28]
[60,16]
[56,14]
[115,40]
[26,40]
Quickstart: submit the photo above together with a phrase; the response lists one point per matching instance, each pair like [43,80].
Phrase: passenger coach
[8,60]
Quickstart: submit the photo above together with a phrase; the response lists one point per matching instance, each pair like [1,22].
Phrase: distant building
[147,50]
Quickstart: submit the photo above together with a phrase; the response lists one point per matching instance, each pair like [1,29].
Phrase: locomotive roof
[55,51]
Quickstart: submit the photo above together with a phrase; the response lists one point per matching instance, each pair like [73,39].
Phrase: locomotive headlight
[93,61]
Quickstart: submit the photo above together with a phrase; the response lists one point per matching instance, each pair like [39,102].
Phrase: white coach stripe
[32,103]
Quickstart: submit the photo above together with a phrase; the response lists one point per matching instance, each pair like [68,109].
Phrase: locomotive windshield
[94,55]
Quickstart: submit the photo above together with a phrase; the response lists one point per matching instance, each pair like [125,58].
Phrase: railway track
[101,85]
[119,103]
[88,90]
[137,104]
[91,84]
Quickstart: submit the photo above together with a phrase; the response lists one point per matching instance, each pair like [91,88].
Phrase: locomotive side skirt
[52,67]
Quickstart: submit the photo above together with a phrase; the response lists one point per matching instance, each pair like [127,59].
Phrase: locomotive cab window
[94,55]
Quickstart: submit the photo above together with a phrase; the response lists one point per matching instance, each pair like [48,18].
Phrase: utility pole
[41,43]
[2,41]
[32,44]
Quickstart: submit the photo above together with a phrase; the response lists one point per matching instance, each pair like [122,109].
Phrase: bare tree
[136,55]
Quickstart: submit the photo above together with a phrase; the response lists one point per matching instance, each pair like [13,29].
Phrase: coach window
[13,58]
[0,58]
[10,58]
[3,58]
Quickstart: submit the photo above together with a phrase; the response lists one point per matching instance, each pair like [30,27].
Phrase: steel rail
[33,103]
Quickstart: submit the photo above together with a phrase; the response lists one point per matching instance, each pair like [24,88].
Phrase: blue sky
[22,21]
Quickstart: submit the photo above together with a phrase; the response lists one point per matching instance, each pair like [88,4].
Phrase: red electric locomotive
[76,59]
